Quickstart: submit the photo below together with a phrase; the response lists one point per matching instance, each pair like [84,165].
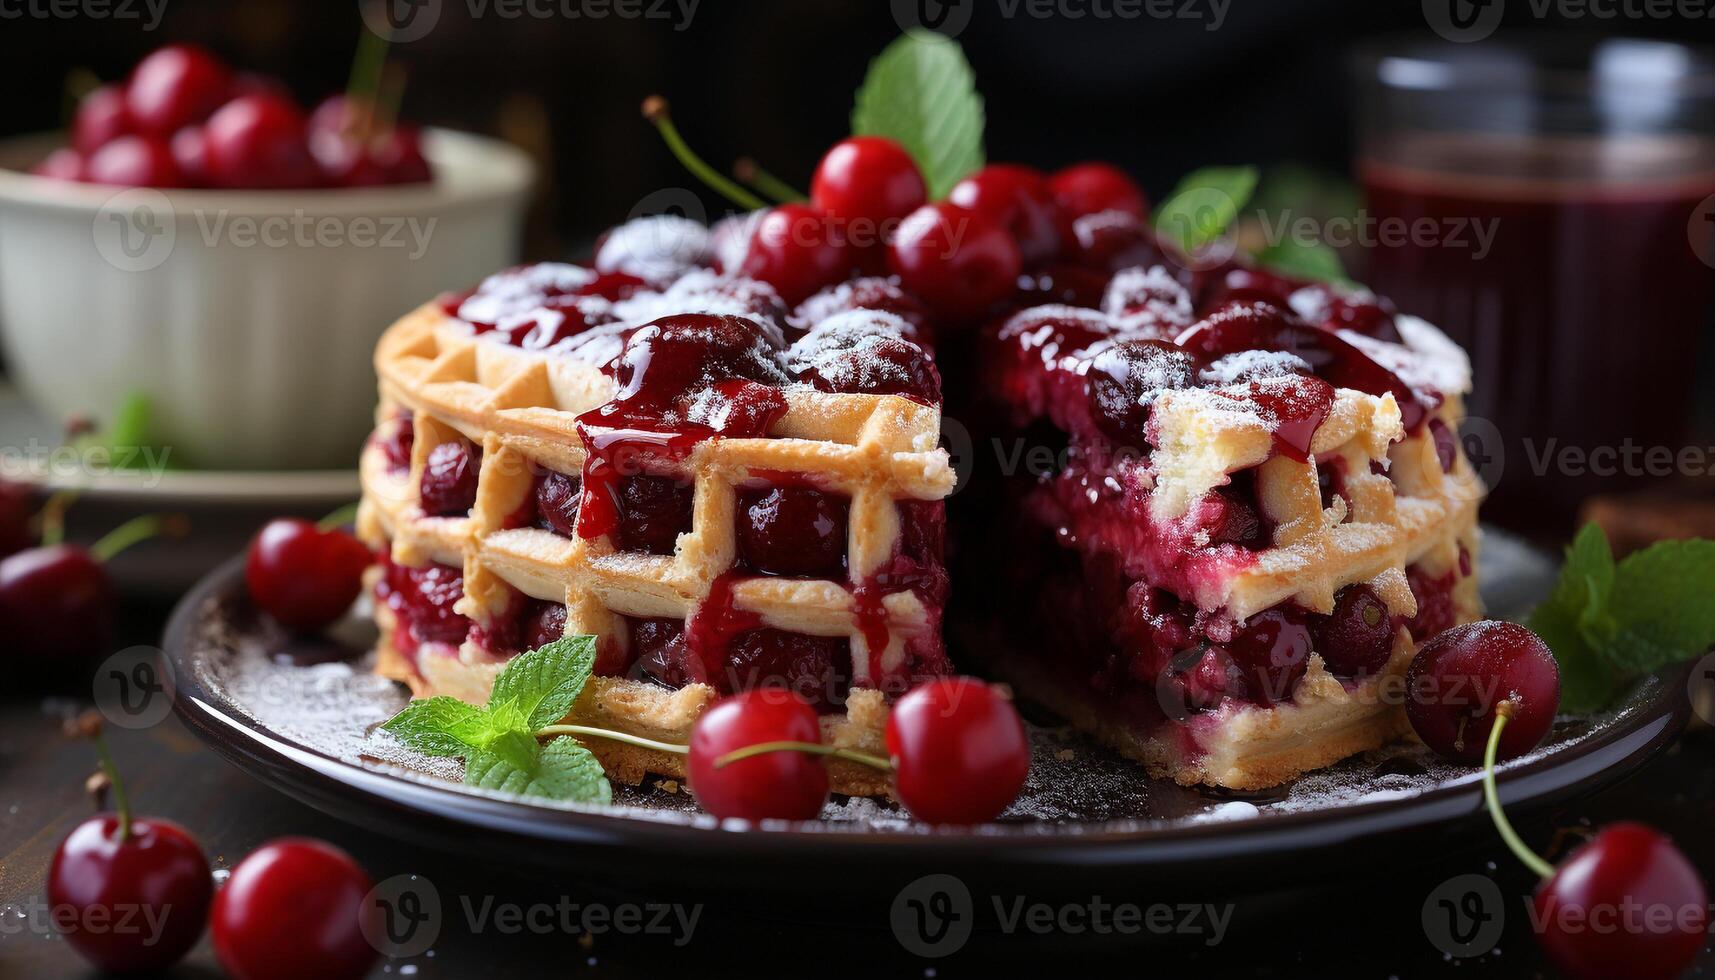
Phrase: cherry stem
[637,740]
[655,110]
[810,748]
[137,529]
[752,173]
[361,89]
[53,517]
[339,518]
[1492,797]
[121,802]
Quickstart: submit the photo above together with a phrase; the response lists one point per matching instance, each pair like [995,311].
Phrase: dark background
[774,79]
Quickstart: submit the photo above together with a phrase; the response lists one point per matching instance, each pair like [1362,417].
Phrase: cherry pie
[1220,509]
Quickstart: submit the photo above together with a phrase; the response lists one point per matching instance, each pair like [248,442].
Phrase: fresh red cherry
[175,86]
[101,117]
[64,163]
[257,141]
[1094,187]
[1461,676]
[961,262]
[959,751]
[782,785]
[294,908]
[1017,197]
[1625,904]
[130,893]
[1357,638]
[56,602]
[345,161]
[190,152]
[399,153]
[303,576]
[135,161]
[797,250]
[868,179]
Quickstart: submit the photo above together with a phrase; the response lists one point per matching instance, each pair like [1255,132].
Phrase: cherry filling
[1233,516]
[1434,593]
[396,445]
[555,498]
[819,668]
[448,486]
[1356,639]
[659,651]
[422,602]
[793,531]
[683,380]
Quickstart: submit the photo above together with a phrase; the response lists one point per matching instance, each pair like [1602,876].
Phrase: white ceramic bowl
[247,318]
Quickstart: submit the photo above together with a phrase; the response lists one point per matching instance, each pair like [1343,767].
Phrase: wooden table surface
[1374,930]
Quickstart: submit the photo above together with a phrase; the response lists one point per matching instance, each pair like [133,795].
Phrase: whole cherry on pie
[1017,197]
[1094,187]
[293,908]
[868,179]
[797,249]
[960,261]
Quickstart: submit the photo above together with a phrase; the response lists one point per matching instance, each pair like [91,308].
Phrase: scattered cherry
[116,868]
[960,261]
[293,908]
[1017,197]
[783,785]
[258,141]
[304,576]
[868,179]
[175,86]
[1460,677]
[797,250]
[56,602]
[1625,904]
[959,751]
[1094,187]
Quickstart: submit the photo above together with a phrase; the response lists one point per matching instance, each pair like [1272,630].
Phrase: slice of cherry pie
[1220,507]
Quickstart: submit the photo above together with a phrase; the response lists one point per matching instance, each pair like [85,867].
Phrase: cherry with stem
[750,172]
[655,110]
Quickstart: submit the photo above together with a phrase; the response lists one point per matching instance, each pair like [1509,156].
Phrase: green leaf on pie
[1203,205]
[1315,261]
[540,686]
[438,726]
[921,93]
[563,770]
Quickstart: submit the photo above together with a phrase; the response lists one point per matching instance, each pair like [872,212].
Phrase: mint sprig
[1204,204]
[1609,622]
[921,92]
[1316,261]
[500,741]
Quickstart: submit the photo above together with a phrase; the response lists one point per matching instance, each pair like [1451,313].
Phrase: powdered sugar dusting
[1253,365]
[1428,360]
[655,247]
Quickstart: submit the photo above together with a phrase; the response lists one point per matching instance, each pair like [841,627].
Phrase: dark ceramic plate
[301,716]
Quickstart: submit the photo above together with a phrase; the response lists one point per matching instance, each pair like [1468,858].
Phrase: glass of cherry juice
[1551,205]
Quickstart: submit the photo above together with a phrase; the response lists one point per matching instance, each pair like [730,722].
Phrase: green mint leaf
[1303,260]
[438,726]
[516,748]
[921,93]
[538,688]
[1568,621]
[1204,204]
[1660,605]
[564,770]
